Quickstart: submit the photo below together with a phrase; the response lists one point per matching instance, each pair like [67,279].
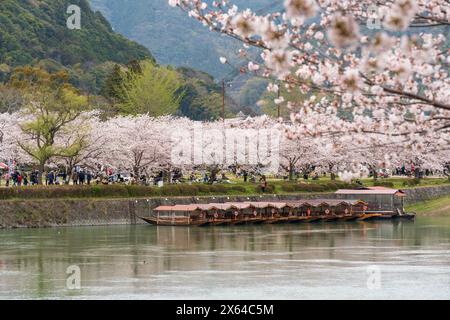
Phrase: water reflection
[305,261]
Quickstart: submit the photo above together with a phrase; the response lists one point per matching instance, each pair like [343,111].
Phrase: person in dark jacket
[51,178]
[81,177]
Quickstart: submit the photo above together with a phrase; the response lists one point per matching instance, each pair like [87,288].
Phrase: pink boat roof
[259,205]
[372,190]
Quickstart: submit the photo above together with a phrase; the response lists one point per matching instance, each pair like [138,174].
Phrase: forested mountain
[35,33]
[172,36]
[33,30]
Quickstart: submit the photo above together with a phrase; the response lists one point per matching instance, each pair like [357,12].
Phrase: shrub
[288,187]
[240,189]
[102,191]
[6,193]
[170,190]
[269,189]
[332,186]
[387,184]
[141,191]
[218,188]
[189,190]
[411,182]
[315,188]
[203,188]
[305,187]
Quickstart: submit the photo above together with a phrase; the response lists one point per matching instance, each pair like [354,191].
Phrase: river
[354,260]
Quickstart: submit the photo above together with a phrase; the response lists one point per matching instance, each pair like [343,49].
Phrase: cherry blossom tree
[9,133]
[136,143]
[392,81]
[90,141]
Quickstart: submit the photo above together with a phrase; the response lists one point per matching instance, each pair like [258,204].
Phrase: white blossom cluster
[140,144]
[393,81]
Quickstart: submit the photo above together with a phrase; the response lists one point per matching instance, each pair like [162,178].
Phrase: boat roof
[372,190]
[259,205]
[326,202]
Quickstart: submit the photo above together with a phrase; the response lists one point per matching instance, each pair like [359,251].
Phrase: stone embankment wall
[426,193]
[90,212]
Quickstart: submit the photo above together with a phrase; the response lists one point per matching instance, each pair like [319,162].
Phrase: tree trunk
[40,172]
[136,174]
[291,172]
[333,176]
[214,171]
[69,170]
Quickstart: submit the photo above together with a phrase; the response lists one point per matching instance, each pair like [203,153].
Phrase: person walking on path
[74,177]
[81,177]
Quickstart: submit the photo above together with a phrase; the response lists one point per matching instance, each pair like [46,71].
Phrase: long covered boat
[237,213]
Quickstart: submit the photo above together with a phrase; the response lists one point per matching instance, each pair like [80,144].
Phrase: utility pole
[223,100]
[279,104]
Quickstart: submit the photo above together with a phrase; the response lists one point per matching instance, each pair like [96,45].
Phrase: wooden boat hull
[238,222]
[312,219]
[295,219]
[369,216]
[396,217]
[282,220]
[279,220]
[406,216]
[167,222]
[270,221]
[221,222]
[330,218]
[258,221]
[350,218]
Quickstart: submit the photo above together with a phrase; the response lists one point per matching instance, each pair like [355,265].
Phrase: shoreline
[41,213]
[437,207]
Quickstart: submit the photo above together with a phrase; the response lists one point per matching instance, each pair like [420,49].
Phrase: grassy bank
[198,189]
[135,191]
[435,207]
[393,182]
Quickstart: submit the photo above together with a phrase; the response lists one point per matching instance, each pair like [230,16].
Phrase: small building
[379,199]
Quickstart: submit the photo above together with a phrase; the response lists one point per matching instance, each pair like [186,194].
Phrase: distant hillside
[171,35]
[33,30]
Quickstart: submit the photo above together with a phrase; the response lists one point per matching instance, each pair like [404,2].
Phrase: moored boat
[238,213]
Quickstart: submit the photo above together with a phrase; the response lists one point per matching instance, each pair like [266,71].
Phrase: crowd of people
[84,176]
[51,177]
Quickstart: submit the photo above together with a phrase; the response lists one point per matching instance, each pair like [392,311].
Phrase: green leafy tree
[50,110]
[114,85]
[154,90]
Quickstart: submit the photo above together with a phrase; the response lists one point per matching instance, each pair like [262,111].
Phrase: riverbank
[36,213]
[234,188]
[432,208]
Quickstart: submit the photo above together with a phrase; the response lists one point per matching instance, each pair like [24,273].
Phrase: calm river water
[366,260]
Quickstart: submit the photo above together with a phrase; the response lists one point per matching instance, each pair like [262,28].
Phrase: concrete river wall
[90,212]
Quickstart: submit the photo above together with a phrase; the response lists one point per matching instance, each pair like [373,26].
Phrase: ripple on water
[279,262]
